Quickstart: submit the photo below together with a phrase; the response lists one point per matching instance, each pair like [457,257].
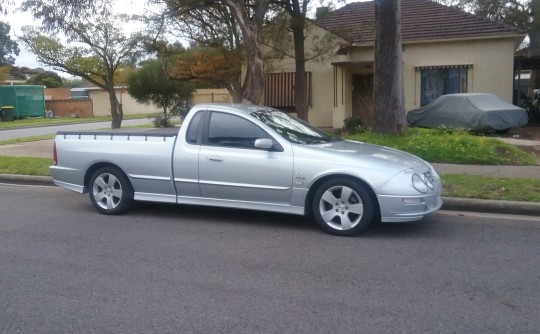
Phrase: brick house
[445,50]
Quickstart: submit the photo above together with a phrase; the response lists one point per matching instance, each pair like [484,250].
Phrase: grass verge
[445,145]
[25,166]
[34,122]
[491,188]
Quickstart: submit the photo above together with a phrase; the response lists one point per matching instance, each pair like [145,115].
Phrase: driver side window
[232,131]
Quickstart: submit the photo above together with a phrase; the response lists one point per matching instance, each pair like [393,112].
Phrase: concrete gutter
[27,180]
[449,203]
[481,205]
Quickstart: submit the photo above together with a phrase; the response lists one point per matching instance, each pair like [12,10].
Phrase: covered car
[474,111]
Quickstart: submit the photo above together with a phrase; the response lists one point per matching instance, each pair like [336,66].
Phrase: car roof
[241,107]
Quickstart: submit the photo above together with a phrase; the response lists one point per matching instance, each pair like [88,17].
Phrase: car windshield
[290,128]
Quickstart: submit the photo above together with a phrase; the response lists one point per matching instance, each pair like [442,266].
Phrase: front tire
[343,207]
[110,191]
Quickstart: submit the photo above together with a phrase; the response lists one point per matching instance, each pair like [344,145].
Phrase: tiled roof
[420,20]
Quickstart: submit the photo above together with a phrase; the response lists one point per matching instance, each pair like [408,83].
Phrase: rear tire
[110,191]
[343,207]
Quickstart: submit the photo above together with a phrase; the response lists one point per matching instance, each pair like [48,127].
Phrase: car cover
[475,111]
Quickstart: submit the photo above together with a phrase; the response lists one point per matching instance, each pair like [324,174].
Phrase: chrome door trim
[242,185]
[150,177]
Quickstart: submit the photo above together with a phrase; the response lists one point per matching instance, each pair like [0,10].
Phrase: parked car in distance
[473,111]
[249,157]
[533,104]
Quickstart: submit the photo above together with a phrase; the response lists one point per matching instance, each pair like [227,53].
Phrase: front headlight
[419,183]
[423,182]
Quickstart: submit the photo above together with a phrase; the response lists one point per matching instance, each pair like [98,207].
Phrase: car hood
[369,155]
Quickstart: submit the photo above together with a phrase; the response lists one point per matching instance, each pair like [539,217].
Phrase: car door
[232,168]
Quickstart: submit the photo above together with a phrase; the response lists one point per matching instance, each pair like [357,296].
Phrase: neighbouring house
[11,80]
[445,50]
[94,101]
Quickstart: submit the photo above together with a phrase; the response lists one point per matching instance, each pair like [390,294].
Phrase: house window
[279,90]
[441,80]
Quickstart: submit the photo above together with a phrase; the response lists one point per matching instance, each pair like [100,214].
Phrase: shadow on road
[258,219]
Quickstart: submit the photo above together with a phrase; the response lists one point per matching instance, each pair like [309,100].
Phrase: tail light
[55,157]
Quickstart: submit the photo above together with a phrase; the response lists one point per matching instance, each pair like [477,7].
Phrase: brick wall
[66,108]
[57,93]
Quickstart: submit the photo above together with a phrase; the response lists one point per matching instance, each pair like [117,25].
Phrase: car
[249,157]
[472,111]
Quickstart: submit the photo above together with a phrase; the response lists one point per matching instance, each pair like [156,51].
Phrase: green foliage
[516,13]
[49,79]
[97,59]
[353,124]
[4,73]
[8,47]
[450,130]
[74,82]
[277,35]
[100,52]
[207,67]
[436,145]
[17,72]
[150,84]
[521,14]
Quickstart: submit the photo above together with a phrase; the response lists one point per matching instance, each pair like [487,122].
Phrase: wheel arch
[319,182]
[98,165]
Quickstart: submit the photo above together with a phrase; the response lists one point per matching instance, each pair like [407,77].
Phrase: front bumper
[401,209]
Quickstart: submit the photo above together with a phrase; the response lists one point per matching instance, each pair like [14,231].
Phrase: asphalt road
[45,130]
[64,268]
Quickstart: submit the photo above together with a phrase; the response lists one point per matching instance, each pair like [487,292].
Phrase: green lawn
[492,188]
[451,146]
[25,166]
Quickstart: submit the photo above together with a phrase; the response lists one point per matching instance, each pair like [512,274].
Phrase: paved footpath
[518,172]
[6,134]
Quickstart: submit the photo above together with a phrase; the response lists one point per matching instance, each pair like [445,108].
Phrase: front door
[362,97]
[231,168]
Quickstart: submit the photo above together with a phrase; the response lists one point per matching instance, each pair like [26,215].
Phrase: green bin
[6,113]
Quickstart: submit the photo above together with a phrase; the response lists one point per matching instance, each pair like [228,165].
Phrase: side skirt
[295,210]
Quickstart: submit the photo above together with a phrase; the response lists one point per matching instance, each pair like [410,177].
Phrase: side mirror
[264,143]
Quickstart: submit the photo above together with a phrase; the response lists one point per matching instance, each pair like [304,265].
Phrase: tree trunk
[254,80]
[388,97]
[236,92]
[300,80]
[117,112]
[250,20]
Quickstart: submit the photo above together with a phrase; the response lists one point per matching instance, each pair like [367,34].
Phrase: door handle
[214,158]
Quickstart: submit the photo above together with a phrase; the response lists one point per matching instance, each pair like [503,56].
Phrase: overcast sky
[17,19]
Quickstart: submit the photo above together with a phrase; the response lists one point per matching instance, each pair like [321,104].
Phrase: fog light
[412,201]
